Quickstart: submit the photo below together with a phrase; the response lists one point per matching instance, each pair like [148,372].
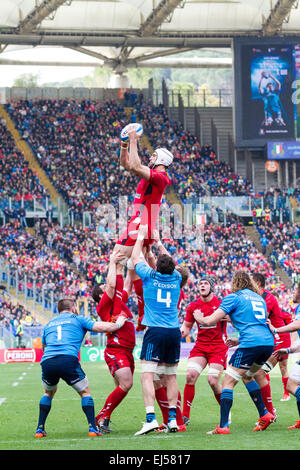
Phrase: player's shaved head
[65,305]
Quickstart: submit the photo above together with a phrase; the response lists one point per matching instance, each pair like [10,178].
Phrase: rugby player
[61,342]
[146,204]
[282,340]
[118,353]
[293,384]
[210,346]
[247,311]
[161,343]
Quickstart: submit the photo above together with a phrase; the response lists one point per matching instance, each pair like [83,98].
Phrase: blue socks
[45,407]
[226,404]
[87,405]
[256,396]
[172,414]
[297,395]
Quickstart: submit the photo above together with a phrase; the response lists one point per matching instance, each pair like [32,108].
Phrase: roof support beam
[278,15]
[76,39]
[38,14]
[207,62]
[159,14]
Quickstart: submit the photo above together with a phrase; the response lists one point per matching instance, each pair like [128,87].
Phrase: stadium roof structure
[120,34]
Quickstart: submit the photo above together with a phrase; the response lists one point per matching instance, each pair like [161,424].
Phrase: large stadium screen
[266,100]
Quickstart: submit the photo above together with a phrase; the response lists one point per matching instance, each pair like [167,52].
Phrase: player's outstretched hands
[132,135]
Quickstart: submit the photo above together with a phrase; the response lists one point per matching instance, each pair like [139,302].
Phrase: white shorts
[295,373]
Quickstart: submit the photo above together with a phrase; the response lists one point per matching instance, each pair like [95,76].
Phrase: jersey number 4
[166,300]
[259,308]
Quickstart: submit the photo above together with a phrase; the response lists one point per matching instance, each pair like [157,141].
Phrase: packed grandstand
[76,143]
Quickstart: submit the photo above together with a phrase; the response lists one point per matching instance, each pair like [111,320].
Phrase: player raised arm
[134,162]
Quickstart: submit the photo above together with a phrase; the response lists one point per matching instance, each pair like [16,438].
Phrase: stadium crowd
[17,179]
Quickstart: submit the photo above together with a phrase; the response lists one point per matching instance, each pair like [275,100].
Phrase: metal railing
[204,98]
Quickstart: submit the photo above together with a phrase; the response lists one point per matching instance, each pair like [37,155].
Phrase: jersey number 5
[167,300]
[258,307]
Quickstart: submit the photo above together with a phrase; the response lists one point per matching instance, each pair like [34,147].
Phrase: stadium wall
[54,93]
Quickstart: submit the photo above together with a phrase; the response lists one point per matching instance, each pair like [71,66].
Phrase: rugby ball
[134,125]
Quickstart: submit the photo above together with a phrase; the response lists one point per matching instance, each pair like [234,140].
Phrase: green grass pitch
[21,389]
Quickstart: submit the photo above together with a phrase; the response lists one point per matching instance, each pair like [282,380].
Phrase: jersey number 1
[59,333]
[167,300]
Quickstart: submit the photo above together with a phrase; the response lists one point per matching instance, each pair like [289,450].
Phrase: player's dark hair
[259,279]
[65,305]
[184,274]
[97,292]
[165,264]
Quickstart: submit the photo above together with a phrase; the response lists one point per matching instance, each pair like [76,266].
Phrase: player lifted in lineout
[146,205]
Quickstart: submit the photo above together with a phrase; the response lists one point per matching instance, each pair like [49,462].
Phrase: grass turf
[66,426]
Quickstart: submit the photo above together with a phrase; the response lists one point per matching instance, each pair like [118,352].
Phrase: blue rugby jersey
[248,313]
[64,334]
[161,295]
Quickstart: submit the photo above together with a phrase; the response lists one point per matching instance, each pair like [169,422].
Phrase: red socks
[179,419]
[112,401]
[162,400]
[267,397]
[188,397]
[118,295]
[284,381]
[138,287]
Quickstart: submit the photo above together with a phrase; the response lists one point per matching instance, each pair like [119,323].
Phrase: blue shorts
[161,345]
[63,367]
[244,358]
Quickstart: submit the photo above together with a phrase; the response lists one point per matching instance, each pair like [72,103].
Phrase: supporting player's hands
[121,320]
[155,235]
[232,342]
[143,231]
[139,326]
[280,353]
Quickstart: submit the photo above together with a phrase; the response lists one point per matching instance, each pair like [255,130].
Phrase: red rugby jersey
[207,334]
[147,200]
[122,338]
[273,309]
